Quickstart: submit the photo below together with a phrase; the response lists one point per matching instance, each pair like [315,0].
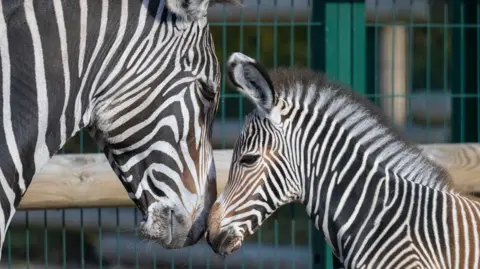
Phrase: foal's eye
[249,159]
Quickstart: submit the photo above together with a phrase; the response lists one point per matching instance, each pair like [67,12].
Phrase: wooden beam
[86,180]
[461,160]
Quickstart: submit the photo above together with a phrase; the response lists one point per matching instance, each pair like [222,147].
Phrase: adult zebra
[141,76]
[378,201]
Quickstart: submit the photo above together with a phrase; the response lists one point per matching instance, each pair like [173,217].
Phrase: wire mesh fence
[417,60]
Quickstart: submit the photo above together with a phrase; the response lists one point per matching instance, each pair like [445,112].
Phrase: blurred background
[416,59]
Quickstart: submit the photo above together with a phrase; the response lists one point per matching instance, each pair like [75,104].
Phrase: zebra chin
[172,226]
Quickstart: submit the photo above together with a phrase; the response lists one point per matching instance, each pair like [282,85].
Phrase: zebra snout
[222,240]
[225,242]
[168,225]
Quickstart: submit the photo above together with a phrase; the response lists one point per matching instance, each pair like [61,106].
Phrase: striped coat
[141,76]
[379,202]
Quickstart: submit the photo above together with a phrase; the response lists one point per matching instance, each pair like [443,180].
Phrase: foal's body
[378,200]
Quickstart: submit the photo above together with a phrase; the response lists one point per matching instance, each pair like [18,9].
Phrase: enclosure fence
[416,59]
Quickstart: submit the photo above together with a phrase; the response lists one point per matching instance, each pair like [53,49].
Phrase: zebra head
[157,135]
[257,183]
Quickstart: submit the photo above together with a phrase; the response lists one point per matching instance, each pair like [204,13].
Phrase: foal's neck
[349,177]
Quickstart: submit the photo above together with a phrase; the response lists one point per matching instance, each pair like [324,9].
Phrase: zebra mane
[306,87]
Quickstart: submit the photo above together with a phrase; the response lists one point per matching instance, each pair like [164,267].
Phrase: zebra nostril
[236,244]
[145,217]
[207,237]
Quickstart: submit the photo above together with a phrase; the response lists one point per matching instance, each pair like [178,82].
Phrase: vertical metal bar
[359,34]
[117,230]
[337,54]
[316,60]
[242,34]
[189,258]
[224,59]
[135,220]
[462,71]
[428,69]
[478,71]
[316,12]
[9,244]
[64,241]
[464,115]
[275,230]
[275,35]
[292,63]
[45,237]
[344,41]
[377,58]
[369,31]
[258,57]
[100,249]
[292,33]
[27,238]
[258,23]
[445,54]
[410,62]
[343,49]
[331,39]
[82,240]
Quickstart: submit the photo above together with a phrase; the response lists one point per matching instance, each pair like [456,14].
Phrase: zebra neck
[33,136]
[344,204]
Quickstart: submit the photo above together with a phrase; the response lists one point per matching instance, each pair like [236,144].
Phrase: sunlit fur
[378,200]
[143,81]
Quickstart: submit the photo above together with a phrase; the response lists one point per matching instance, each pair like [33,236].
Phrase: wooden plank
[86,180]
[387,11]
[461,160]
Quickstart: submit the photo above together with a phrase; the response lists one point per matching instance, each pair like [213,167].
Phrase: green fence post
[320,251]
[465,99]
[317,39]
[359,47]
[338,49]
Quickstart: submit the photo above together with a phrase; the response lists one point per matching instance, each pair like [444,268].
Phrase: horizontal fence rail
[86,180]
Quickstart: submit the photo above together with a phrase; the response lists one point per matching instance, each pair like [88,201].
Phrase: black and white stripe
[378,200]
[141,76]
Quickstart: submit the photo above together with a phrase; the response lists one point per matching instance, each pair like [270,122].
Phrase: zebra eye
[249,159]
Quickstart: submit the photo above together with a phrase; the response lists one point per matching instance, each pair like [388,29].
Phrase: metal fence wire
[416,59]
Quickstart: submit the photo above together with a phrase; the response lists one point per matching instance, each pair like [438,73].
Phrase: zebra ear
[250,78]
[190,10]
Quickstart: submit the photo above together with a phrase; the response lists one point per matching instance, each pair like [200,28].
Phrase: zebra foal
[141,76]
[378,201]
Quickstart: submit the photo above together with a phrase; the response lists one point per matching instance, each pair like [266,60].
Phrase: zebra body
[141,76]
[379,202]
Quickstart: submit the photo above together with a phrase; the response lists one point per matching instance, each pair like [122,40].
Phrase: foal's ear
[250,78]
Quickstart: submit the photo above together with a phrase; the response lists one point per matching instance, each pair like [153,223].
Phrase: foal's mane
[288,83]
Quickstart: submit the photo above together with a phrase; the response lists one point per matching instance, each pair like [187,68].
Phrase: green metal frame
[466,72]
[339,51]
